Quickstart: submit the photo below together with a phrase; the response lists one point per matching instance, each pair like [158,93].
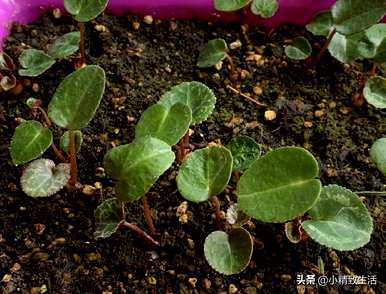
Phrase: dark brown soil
[141,65]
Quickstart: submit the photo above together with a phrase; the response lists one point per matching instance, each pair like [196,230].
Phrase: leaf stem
[324,48]
[46,119]
[216,204]
[148,215]
[183,147]
[232,73]
[373,70]
[74,166]
[58,153]
[139,232]
[82,45]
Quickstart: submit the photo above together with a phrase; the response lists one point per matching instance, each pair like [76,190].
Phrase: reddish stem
[148,215]
[232,73]
[58,153]
[74,166]
[139,232]
[373,70]
[216,204]
[46,119]
[324,48]
[82,45]
[183,147]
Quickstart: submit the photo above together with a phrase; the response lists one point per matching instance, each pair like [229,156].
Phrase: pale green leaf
[107,218]
[353,16]
[77,98]
[321,24]
[34,62]
[229,253]
[41,178]
[212,53]
[244,151]
[196,95]
[65,45]
[378,154]
[374,44]
[230,5]
[205,173]
[73,6]
[85,10]
[264,8]
[299,49]
[280,186]
[168,125]
[345,48]
[65,141]
[375,91]
[339,220]
[29,142]
[137,166]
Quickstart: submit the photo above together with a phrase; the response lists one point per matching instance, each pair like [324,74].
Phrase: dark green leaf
[264,8]
[65,141]
[213,52]
[378,154]
[65,45]
[299,49]
[345,48]
[85,10]
[375,92]
[374,44]
[107,218]
[35,62]
[230,5]
[244,151]
[321,24]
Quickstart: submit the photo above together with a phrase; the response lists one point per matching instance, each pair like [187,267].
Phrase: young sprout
[378,154]
[7,79]
[84,11]
[263,8]
[299,49]
[35,62]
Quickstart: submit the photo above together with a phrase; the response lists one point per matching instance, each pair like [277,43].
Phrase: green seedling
[299,49]
[35,62]
[378,154]
[263,8]
[84,11]
[244,151]
[72,107]
[7,79]
[214,52]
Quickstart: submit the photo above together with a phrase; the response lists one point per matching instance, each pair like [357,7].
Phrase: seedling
[35,62]
[7,79]
[72,107]
[214,52]
[263,8]
[299,49]
[84,11]
[378,154]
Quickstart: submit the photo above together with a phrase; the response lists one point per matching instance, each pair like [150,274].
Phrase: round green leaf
[229,253]
[339,220]
[353,16]
[299,49]
[212,53]
[264,8]
[29,142]
[375,91]
[42,178]
[280,186]
[244,151]
[107,218]
[65,141]
[345,48]
[321,24]
[35,62]
[374,44]
[378,154]
[168,125]
[77,98]
[65,45]
[205,173]
[85,10]
[196,95]
[137,166]
[230,5]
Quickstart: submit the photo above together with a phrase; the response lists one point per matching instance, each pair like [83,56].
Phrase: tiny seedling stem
[324,48]
[82,45]
[373,70]
[140,232]
[58,153]
[216,204]
[74,166]
[46,119]
[148,215]
[183,147]
[232,73]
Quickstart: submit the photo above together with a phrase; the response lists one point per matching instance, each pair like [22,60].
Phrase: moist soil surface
[47,244]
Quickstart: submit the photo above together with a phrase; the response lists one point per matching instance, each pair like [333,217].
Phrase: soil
[313,108]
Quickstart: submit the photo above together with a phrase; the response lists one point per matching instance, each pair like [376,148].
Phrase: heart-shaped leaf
[65,141]
[353,16]
[264,8]
[77,98]
[378,154]
[345,48]
[8,82]
[168,125]
[85,10]
[229,253]
[280,186]
[107,218]
[321,24]
[35,62]
[374,44]
[137,166]
[205,173]
[375,91]
[65,45]
[339,220]
[299,49]
[29,142]
[244,151]
[230,5]
[42,178]
[212,53]
[196,95]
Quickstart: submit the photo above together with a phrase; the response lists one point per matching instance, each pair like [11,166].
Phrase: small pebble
[16,267]
[244,74]
[269,115]
[192,282]
[257,90]
[6,278]
[101,28]
[148,19]
[308,124]
[232,289]
[285,278]
[206,283]
[235,45]
[319,113]
[88,190]
[136,25]
[57,13]
[218,65]
[35,87]
[39,228]
[152,280]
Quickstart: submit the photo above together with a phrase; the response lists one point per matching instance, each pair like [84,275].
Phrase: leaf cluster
[262,8]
